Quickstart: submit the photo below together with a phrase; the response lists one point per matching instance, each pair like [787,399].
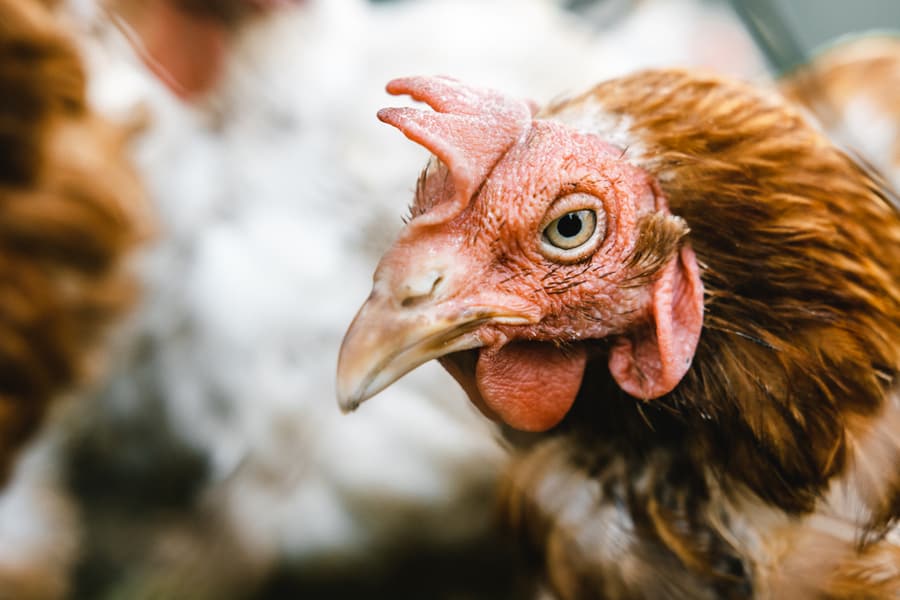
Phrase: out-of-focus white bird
[275,201]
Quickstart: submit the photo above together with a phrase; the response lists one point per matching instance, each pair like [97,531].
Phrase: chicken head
[530,245]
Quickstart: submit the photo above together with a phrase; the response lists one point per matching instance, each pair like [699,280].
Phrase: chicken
[71,212]
[69,208]
[851,87]
[216,424]
[691,300]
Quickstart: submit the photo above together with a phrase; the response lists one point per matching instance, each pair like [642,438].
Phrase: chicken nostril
[415,293]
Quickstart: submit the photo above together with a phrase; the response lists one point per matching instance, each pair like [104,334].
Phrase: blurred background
[816,24]
[209,460]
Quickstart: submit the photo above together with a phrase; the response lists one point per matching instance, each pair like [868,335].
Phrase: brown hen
[693,297]
[69,212]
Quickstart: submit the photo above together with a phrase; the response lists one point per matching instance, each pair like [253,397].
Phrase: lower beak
[385,342]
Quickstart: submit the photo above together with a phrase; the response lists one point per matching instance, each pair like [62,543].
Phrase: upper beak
[388,338]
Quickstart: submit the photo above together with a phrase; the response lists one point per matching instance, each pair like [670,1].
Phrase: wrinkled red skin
[530,386]
[490,255]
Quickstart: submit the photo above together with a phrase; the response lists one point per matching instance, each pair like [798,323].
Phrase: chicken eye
[572,229]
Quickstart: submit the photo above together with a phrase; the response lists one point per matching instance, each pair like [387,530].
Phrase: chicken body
[71,211]
[692,298]
[216,425]
[68,212]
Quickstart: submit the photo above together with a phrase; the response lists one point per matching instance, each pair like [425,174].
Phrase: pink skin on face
[497,237]
[477,254]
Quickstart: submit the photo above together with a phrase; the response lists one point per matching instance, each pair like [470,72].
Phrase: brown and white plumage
[769,469]
[226,421]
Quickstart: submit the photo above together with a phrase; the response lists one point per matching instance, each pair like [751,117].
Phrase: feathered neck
[800,258]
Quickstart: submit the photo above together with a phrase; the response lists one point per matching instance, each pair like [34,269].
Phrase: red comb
[471,130]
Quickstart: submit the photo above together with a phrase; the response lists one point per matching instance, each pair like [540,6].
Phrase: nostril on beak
[416,290]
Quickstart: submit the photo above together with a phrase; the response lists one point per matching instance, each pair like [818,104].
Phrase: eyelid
[570,203]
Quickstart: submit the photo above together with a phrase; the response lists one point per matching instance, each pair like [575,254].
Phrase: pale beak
[386,341]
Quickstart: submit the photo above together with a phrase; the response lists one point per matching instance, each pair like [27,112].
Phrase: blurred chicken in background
[213,463]
[854,89]
[70,213]
[843,67]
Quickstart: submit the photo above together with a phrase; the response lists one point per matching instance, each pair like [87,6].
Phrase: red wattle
[530,385]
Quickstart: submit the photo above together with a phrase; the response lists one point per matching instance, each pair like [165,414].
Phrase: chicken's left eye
[572,229]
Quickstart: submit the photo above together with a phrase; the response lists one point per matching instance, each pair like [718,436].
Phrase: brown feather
[859,76]
[69,212]
[800,350]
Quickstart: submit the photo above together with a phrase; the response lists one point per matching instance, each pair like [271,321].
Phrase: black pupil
[569,225]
